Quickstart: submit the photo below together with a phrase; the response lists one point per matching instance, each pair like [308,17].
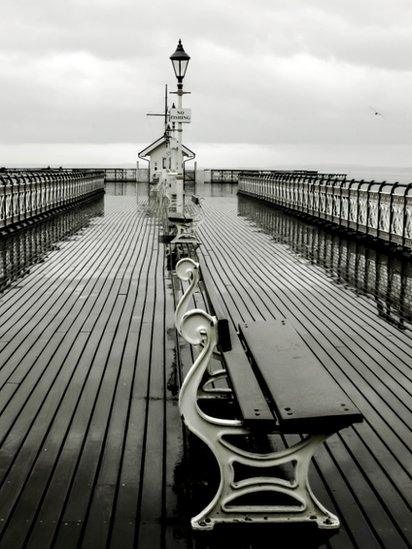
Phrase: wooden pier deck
[93,453]
[83,429]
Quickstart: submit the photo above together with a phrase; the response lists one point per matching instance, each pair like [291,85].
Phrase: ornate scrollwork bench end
[186,270]
[197,328]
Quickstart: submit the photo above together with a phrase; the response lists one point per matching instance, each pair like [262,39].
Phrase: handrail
[379,210]
[233,175]
[25,194]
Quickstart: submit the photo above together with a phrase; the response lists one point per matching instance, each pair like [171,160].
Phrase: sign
[180,115]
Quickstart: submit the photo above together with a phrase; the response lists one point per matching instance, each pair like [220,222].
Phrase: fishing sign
[184,116]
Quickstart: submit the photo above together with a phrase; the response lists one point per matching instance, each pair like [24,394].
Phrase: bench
[183,226]
[183,229]
[183,219]
[280,388]
[196,199]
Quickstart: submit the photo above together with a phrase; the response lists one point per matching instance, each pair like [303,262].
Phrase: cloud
[275,72]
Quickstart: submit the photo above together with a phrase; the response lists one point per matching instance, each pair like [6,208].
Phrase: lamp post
[180,61]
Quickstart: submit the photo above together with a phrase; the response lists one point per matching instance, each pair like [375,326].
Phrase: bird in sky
[375,111]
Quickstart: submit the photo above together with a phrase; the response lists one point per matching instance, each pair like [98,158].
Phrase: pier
[206,275]
[93,450]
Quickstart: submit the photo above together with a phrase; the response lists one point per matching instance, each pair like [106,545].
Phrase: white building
[160,159]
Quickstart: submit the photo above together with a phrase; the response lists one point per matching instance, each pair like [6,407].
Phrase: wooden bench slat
[180,218]
[251,400]
[305,397]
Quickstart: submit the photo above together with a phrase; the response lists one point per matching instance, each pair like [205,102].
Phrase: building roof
[158,143]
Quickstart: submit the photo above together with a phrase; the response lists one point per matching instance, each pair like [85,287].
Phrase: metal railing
[224,176]
[233,176]
[121,174]
[25,194]
[380,210]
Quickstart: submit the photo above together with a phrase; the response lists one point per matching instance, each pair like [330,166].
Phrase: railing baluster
[359,205]
[27,193]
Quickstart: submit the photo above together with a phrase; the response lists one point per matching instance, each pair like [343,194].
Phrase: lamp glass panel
[183,66]
[176,64]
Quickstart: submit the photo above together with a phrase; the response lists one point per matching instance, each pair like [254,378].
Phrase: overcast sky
[273,82]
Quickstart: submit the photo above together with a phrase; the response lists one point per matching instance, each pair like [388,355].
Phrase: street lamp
[180,60]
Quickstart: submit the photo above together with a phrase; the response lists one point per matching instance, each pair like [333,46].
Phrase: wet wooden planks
[86,416]
[92,447]
[363,472]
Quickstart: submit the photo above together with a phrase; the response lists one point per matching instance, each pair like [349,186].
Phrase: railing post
[3,203]
[394,186]
[405,212]
[11,182]
[357,202]
[352,182]
[335,182]
[378,223]
[368,204]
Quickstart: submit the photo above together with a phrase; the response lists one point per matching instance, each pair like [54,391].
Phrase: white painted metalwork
[185,230]
[199,328]
[185,233]
[380,210]
[25,194]
[187,270]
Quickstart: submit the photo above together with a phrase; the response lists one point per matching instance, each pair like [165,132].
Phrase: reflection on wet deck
[24,248]
[386,279]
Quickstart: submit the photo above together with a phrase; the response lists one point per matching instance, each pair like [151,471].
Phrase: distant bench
[196,199]
[183,225]
[180,218]
[279,387]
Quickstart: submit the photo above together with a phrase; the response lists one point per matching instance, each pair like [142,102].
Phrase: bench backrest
[250,398]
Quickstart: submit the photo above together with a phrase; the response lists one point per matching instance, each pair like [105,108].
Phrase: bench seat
[278,381]
[180,219]
[305,397]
